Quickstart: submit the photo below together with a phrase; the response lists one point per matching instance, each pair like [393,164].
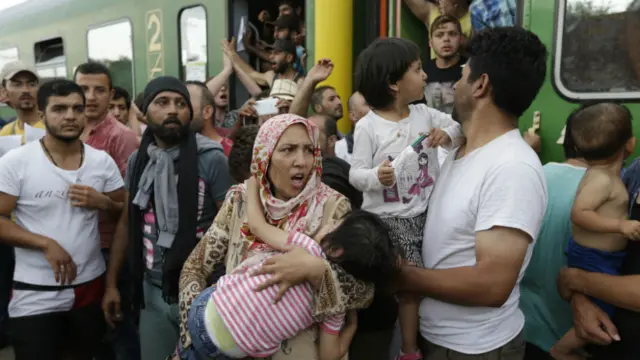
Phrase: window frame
[561,89]
[119,20]
[64,53]
[181,71]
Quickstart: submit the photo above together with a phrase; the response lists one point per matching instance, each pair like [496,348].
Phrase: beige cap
[13,68]
[284,89]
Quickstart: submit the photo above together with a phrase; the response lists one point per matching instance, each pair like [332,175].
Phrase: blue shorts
[594,260]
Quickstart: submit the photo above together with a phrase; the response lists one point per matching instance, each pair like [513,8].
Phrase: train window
[50,59]
[598,49]
[112,46]
[193,44]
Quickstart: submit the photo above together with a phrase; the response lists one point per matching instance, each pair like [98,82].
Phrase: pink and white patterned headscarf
[304,212]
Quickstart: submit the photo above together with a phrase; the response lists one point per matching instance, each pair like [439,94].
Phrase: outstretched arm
[420,8]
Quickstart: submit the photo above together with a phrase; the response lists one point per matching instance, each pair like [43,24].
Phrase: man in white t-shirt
[55,188]
[486,208]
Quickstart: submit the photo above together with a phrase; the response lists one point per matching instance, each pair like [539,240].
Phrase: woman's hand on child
[438,137]
[386,174]
[289,269]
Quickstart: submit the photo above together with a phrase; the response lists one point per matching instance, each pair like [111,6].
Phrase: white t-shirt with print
[499,184]
[44,208]
[377,139]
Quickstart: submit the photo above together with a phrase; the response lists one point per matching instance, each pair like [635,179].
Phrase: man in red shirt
[104,132]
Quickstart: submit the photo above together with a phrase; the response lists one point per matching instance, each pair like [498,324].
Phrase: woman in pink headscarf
[287,166]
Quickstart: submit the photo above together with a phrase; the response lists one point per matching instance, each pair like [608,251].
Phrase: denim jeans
[202,347]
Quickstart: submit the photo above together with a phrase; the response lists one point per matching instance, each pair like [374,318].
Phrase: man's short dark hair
[93,68]
[382,64]
[444,19]
[600,131]
[58,87]
[207,96]
[365,248]
[242,152]
[318,95]
[514,59]
[120,93]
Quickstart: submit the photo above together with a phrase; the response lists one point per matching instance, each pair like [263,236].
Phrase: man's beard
[281,68]
[169,135]
[64,138]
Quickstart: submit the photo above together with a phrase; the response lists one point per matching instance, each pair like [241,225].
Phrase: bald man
[358,108]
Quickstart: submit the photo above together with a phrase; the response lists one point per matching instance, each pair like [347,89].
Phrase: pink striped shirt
[256,324]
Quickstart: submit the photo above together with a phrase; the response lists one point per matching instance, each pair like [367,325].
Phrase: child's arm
[258,225]
[334,345]
[595,190]
[444,123]
[364,175]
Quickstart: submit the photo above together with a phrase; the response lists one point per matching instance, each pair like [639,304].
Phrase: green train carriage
[594,46]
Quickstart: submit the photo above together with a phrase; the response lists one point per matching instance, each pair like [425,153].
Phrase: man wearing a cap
[283,57]
[175,184]
[20,84]
[287,27]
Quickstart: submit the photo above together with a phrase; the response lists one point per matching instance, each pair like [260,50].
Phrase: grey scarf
[160,174]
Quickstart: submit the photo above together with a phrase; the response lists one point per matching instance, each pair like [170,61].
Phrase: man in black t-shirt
[445,38]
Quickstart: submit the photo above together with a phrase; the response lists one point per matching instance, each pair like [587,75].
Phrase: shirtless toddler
[602,134]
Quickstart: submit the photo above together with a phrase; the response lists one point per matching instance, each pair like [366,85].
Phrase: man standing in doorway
[473,266]
[175,183]
[20,83]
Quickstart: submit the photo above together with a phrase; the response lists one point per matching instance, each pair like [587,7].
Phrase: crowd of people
[168,226]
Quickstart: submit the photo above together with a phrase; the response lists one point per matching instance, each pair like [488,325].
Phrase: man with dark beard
[283,57]
[175,185]
[55,196]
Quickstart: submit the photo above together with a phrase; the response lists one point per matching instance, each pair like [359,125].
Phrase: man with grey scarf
[175,183]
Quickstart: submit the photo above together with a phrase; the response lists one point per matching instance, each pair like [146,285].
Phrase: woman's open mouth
[297,181]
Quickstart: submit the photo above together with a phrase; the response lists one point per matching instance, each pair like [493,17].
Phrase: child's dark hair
[382,64]
[364,248]
[242,152]
[601,130]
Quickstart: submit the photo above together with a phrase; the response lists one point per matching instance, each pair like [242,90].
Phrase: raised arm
[217,82]
[208,255]
[420,8]
[319,73]
[262,79]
